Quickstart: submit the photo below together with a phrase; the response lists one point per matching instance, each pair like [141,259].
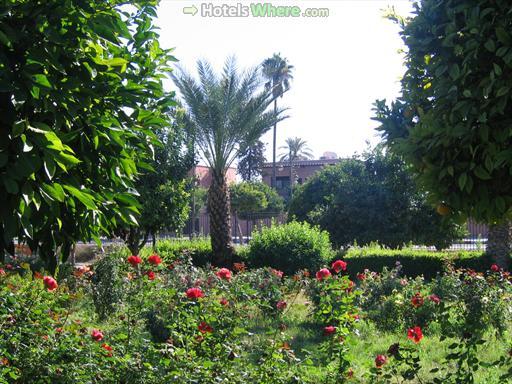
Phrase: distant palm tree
[228,113]
[295,149]
[278,73]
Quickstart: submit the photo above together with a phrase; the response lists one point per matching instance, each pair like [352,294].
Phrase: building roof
[306,163]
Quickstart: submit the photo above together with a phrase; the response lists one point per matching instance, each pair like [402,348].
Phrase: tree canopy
[371,198]
[453,123]
[251,198]
[251,160]
[80,96]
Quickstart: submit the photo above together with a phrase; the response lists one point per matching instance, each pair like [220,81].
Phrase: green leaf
[502,91]
[42,80]
[503,36]
[481,173]
[490,46]
[49,167]
[56,193]
[18,128]
[454,71]
[462,181]
[84,198]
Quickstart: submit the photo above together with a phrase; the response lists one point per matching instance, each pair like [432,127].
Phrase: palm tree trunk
[499,242]
[220,221]
[273,182]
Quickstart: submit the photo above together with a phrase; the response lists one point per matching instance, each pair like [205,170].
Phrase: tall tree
[453,123]
[251,160]
[228,111]
[371,198]
[163,191]
[278,73]
[79,101]
[295,149]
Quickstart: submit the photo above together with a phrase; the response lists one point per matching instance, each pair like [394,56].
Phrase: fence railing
[240,227]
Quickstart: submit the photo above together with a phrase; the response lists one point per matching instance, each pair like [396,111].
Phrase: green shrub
[290,247]
[199,249]
[414,262]
[107,283]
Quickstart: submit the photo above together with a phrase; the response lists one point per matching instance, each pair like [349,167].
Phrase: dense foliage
[290,247]
[452,123]
[414,262]
[80,94]
[164,191]
[251,160]
[148,320]
[255,198]
[370,198]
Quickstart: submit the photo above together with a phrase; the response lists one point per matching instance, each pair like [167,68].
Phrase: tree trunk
[220,221]
[499,241]
[273,181]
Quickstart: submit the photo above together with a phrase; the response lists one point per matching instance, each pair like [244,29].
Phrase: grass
[304,337]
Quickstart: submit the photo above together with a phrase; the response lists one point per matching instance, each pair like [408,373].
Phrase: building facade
[296,172]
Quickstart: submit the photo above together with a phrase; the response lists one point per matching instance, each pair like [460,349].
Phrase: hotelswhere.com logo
[253,10]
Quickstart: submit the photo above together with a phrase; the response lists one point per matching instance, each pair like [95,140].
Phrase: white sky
[342,63]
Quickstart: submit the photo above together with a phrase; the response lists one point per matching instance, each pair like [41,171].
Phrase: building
[204,177]
[301,170]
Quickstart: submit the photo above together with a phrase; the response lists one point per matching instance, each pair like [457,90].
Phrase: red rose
[361,276]
[2,272]
[96,335]
[417,300]
[194,293]
[434,298]
[277,272]
[380,360]
[150,275]
[134,260]
[224,274]
[329,330]
[339,265]
[107,348]
[322,274]
[50,283]
[281,305]
[495,268]
[204,328]
[224,302]
[154,259]
[415,334]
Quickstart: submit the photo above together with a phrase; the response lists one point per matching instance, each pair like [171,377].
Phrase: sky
[342,63]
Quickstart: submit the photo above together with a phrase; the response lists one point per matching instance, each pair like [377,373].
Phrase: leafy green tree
[452,124]
[251,160]
[278,73]
[246,200]
[228,112]
[164,193]
[80,95]
[371,198]
[250,198]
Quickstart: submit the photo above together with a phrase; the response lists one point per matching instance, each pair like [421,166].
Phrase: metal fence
[241,229]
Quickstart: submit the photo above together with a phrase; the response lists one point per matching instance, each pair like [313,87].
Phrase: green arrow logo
[190,10]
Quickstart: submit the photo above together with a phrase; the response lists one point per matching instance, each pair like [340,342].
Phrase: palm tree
[228,113]
[295,149]
[278,74]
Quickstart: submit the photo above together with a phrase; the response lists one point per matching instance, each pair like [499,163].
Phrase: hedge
[199,249]
[414,262]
